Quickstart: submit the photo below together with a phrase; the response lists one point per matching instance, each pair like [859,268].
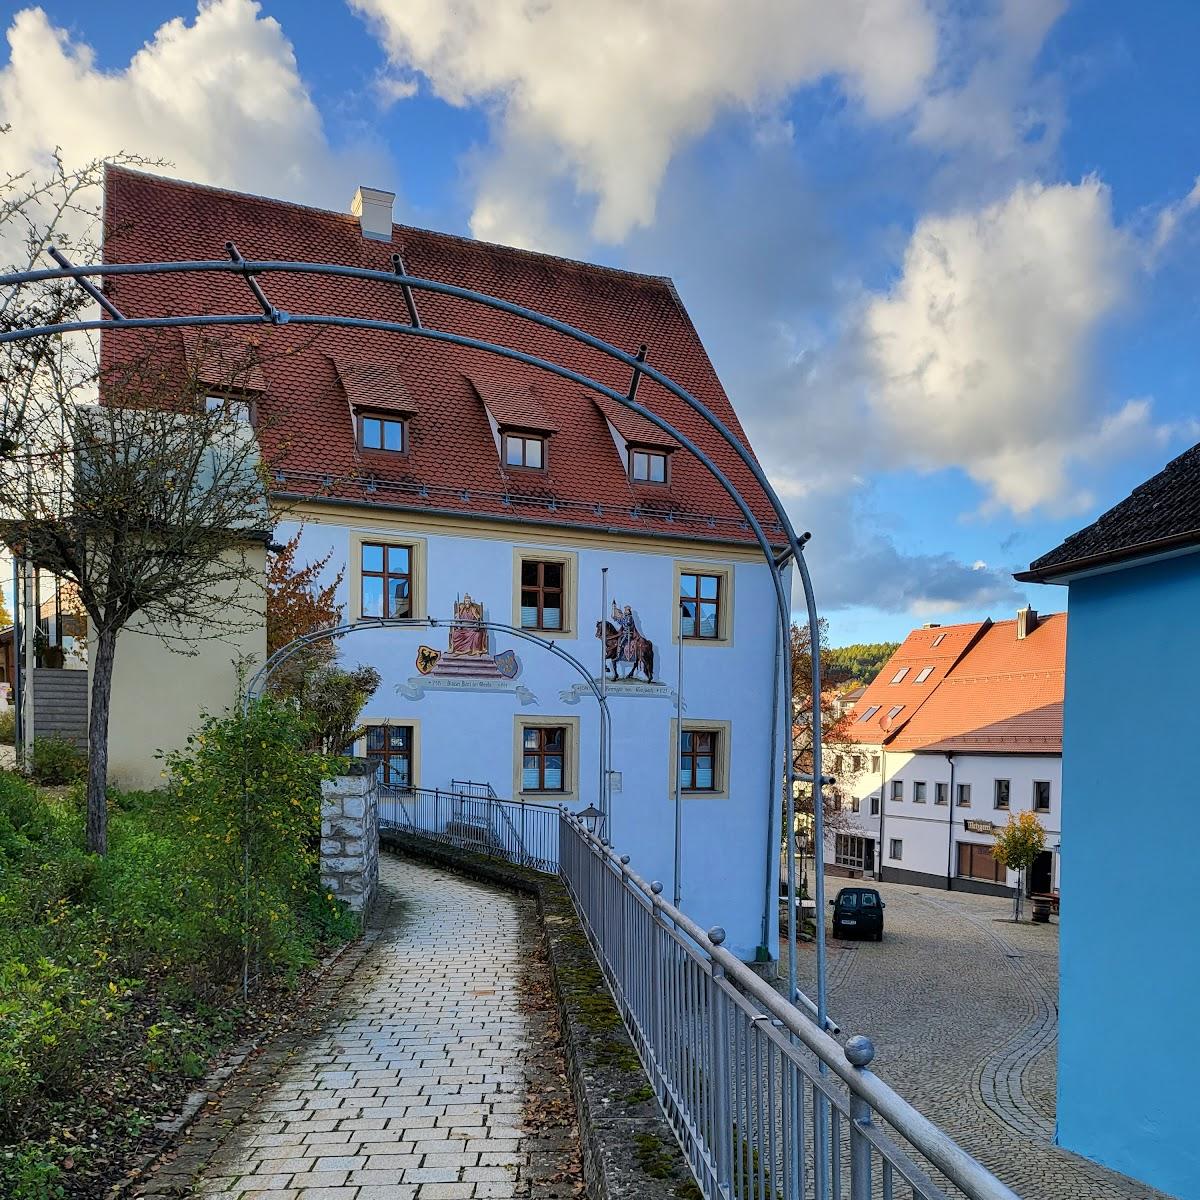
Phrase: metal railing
[765,1104]
[520,833]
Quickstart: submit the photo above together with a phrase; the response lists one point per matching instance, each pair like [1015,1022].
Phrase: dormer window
[647,466]
[234,408]
[524,450]
[383,433]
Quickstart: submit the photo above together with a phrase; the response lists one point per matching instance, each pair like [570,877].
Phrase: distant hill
[859,663]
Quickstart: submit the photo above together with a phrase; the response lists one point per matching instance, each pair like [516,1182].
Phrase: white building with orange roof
[962,727]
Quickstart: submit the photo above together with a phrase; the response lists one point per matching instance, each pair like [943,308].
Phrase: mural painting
[623,643]
[468,655]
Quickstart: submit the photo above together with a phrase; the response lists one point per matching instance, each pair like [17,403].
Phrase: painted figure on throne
[470,640]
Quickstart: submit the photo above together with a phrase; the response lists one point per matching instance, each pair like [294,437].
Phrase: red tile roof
[376,387]
[633,427]
[515,407]
[1004,696]
[223,359]
[452,465]
[914,654]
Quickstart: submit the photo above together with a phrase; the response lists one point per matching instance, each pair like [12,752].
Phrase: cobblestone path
[415,1090]
[962,1007]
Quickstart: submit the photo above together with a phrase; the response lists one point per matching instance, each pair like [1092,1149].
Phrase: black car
[858,911]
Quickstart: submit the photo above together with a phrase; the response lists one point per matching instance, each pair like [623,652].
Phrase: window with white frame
[897,789]
[923,674]
[1002,791]
[963,799]
[941,793]
[918,791]
[896,849]
[899,675]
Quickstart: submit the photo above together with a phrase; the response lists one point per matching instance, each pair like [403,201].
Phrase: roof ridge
[234,193]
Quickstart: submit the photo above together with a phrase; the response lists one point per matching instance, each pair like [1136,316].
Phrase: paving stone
[417,1078]
[962,1007]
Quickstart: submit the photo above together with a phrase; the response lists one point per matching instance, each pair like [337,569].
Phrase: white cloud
[980,351]
[985,98]
[609,90]
[220,98]
[1170,218]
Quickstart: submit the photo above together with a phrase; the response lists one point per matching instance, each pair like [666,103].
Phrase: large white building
[448,483]
[962,727]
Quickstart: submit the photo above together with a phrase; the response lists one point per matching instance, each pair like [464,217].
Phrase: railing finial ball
[860,1050]
[656,888]
[624,860]
[716,935]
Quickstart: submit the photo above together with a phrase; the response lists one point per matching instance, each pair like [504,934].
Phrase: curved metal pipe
[636,363]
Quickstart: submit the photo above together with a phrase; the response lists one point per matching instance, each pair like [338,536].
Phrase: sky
[943,254]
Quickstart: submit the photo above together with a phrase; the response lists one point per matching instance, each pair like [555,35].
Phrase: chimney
[1027,620]
[373,209]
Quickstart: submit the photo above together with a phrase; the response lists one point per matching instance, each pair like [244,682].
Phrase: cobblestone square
[962,1005]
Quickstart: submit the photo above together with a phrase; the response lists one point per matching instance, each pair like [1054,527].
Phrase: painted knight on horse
[624,644]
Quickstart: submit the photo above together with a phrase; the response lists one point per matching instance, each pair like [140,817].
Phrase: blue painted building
[1128,1052]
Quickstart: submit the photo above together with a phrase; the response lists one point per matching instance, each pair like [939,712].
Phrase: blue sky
[944,255]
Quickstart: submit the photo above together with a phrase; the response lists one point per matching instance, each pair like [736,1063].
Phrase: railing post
[859,1052]
[719,1032]
[656,983]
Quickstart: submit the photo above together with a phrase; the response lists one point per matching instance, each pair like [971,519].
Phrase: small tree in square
[1017,846]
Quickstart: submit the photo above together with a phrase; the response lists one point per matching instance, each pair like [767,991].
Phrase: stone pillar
[350,838]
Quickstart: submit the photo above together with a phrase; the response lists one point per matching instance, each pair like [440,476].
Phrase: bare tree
[838,754]
[120,479]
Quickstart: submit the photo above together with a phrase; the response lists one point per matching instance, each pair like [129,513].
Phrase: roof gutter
[1126,556]
[430,510]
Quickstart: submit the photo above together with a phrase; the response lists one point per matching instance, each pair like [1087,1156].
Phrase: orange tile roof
[914,654]
[1004,696]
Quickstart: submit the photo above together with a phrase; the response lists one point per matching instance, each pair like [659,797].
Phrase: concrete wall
[470,733]
[161,686]
[1130,974]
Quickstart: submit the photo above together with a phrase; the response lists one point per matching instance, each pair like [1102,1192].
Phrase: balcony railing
[519,833]
[765,1104]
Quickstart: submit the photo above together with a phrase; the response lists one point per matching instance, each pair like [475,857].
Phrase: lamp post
[802,842]
[591,818]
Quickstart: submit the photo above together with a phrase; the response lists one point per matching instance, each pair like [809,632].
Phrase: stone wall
[350,840]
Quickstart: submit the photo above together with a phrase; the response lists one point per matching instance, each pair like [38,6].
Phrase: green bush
[248,792]
[49,1016]
[136,958]
[8,727]
[55,760]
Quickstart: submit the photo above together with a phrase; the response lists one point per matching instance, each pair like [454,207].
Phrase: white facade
[472,730]
[926,809]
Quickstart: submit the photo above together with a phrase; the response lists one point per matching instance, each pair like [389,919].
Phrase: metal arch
[259,680]
[272,315]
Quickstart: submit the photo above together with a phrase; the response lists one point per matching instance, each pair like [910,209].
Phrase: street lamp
[802,842]
[591,818]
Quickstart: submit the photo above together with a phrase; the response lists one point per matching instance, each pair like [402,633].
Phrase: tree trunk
[97,783]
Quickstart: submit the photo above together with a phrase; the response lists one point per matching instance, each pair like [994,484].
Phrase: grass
[118,978]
